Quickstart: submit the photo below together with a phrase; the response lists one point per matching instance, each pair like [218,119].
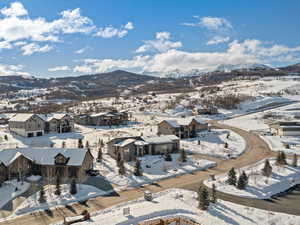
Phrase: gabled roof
[125,142]
[160,139]
[43,156]
[49,117]
[184,122]
[23,117]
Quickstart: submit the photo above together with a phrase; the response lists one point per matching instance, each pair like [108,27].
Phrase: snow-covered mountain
[229,67]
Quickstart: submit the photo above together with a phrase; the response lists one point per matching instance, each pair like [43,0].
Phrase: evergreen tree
[168,156]
[213,198]
[231,177]
[42,195]
[118,158]
[203,198]
[182,157]
[121,168]
[226,145]
[73,187]
[242,181]
[295,161]
[63,144]
[5,137]
[87,145]
[281,158]
[57,185]
[267,170]
[99,157]
[138,168]
[80,145]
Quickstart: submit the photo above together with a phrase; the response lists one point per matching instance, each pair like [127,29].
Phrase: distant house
[182,128]
[32,125]
[58,123]
[206,110]
[113,118]
[47,162]
[128,148]
[285,128]
[4,118]
[27,125]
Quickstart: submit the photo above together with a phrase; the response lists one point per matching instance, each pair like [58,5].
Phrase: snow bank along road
[256,150]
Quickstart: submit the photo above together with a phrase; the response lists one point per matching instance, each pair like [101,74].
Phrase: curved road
[256,150]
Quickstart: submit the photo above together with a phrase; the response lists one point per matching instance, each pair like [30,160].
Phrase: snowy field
[259,186]
[277,143]
[154,168]
[32,203]
[8,191]
[212,144]
[183,203]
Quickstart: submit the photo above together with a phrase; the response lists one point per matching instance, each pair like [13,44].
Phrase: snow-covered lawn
[183,203]
[259,186]
[32,203]
[212,143]
[8,190]
[154,168]
[277,143]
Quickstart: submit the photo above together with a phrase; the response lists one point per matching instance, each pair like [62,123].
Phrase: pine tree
[213,198]
[121,168]
[87,145]
[281,158]
[57,186]
[118,158]
[231,177]
[138,168]
[242,181]
[267,170]
[295,160]
[42,195]
[5,137]
[203,198]
[73,187]
[63,144]
[168,156]
[226,145]
[80,145]
[99,157]
[182,157]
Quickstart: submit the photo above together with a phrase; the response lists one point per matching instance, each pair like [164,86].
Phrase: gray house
[112,118]
[27,125]
[131,147]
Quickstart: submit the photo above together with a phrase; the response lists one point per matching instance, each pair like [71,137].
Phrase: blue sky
[60,38]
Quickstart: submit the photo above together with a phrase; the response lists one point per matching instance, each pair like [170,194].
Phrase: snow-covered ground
[32,203]
[259,186]
[212,144]
[183,203]
[277,143]
[8,191]
[154,168]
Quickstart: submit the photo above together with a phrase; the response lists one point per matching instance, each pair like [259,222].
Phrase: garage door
[30,134]
[39,133]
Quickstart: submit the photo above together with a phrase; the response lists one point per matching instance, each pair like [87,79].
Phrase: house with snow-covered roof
[112,118]
[27,125]
[47,162]
[182,127]
[128,148]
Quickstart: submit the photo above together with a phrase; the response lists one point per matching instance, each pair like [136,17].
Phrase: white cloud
[83,69]
[15,9]
[17,26]
[82,50]
[245,52]
[7,70]
[20,43]
[5,45]
[215,23]
[217,40]
[160,44]
[110,31]
[32,48]
[59,68]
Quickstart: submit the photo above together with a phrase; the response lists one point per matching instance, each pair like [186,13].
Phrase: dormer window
[60,159]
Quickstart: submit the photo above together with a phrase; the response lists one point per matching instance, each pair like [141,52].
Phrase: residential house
[27,125]
[112,118]
[47,162]
[128,148]
[206,110]
[182,128]
[58,123]
[285,128]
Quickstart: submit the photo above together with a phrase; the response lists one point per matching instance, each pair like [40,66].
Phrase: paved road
[256,150]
